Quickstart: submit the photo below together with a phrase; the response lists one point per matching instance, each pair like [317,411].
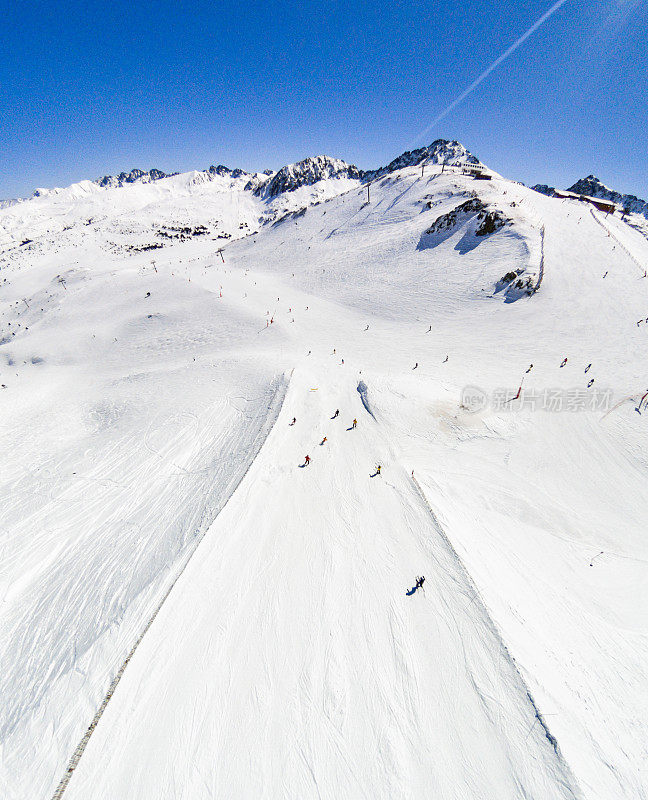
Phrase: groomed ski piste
[253,620]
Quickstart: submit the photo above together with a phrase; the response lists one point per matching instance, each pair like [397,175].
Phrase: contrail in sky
[493,66]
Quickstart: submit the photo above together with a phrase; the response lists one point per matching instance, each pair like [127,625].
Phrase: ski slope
[339,665]
[148,446]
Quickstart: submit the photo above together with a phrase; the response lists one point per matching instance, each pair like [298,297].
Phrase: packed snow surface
[254,618]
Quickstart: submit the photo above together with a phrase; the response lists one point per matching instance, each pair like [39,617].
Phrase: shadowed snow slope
[146,401]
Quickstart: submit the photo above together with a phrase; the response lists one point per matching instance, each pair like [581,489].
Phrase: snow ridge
[11,202]
[305,173]
[134,176]
[441,151]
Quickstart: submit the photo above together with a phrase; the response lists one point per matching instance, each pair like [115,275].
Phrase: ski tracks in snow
[482,609]
[613,235]
[297,659]
[274,410]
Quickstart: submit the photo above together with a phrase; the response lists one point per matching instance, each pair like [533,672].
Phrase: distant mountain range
[269,184]
[311,170]
[292,176]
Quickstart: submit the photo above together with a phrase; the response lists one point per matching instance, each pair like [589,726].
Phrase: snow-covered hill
[227,621]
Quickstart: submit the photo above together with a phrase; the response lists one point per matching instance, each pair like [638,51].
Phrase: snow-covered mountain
[305,173]
[10,202]
[440,151]
[192,611]
[134,176]
[591,186]
[224,172]
[292,176]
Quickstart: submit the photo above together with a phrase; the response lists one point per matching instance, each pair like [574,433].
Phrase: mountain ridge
[591,186]
[270,184]
[305,172]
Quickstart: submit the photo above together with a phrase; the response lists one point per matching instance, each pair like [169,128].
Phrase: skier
[323,441]
[415,365]
[445,359]
[337,413]
[366,329]
[420,581]
[429,330]
[355,423]
[307,461]
[530,368]
[587,368]
[590,383]
[294,421]
[563,363]
[517,396]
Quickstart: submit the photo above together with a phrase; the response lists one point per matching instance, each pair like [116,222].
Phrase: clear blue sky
[89,88]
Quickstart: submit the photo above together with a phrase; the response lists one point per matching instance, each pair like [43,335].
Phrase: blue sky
[89,88]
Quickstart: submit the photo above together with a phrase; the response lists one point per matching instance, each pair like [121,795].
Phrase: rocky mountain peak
[306,173]
[134,176]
